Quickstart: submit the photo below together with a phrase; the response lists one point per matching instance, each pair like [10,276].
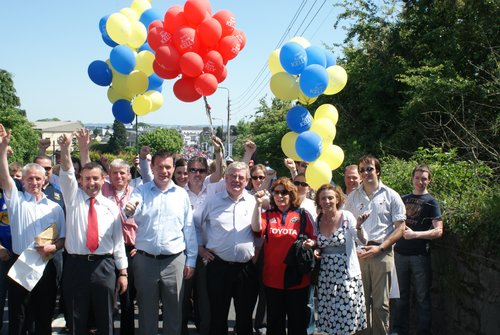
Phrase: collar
[170,188]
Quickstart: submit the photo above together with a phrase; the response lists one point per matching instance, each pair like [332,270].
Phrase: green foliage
[24,139]
[162,138]
[8,97]
[118,140]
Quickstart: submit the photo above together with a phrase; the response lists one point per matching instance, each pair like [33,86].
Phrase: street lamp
[229,149]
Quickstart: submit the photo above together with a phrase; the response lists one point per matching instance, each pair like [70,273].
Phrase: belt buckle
[90,258]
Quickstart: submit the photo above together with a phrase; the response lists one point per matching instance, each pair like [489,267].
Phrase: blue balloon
[122,59]
[149,16]
[316,55]
[293,58]
[100,73]
[308,146]
[330,58]
[313,80]
[106,39]
[102,23]
[122,111]
[155,83]
[145,46]
[298,119]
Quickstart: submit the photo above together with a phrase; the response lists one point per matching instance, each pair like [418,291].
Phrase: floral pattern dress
[341,302]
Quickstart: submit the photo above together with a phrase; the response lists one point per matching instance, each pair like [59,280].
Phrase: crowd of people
[187,238]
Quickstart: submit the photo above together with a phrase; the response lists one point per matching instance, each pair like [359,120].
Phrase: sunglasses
[282,192]
[193,170]
[367,169]
[47,168]
[301,183]
[258,177]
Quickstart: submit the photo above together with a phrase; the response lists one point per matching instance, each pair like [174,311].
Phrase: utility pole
[229,149]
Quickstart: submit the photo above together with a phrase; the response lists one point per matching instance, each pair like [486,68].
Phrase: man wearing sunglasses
[380,214]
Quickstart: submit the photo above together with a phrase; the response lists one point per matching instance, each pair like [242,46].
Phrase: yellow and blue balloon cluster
[133,86]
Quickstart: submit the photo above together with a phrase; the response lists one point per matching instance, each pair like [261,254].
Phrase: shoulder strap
[303,221]
[266,233]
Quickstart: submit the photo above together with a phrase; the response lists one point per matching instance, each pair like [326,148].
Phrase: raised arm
[64,142]
[257,217]
[5,179]
[83,139]
[250,148]
[145,163]
[290,165]
[217,175]
[43,145]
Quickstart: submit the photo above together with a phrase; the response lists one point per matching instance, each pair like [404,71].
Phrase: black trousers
[287,304]
[33,308]
[238,281]
[89,286]
[127,325]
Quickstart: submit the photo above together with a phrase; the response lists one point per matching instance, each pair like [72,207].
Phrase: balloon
[137,82]
[222,75]
[327,111]
[163,72]
[274,62]
[157,37]
[100,73]
[191,64]
[156,24]
[333,155]
[337,79]
[229,47]
[144,62]
[293,58]
[305,100]
[149,16]
[206,84]
[209,32]
[154,82]
[118,28]
[324,128]
[298,119]
[196,11]
[156,99]
[288,145]
[145,47]
[184,90]
[122,111]
[226,20]
[138,35]
[330,59]
[284,86]
[140,6]
[119,85]
[174,19]
[168,57]
[316,55]
[102,23]
[213,63]
[301,40]
[318,173]
[113,95]
[313,80]
[308,146]
[142,105]
[104,34]
[240,35]
[122,59]
[130,14]
[185,40]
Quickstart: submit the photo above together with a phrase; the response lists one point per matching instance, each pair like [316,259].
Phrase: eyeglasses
[282,193]
[258,177]
[193,170]
[47,168]
[367,169]
[301,183]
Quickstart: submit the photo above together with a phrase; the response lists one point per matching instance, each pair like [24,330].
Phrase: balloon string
[209,116]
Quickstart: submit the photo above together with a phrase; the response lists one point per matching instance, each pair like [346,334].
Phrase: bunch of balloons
[311,140]
[195,44]
[133,86]
[301,71]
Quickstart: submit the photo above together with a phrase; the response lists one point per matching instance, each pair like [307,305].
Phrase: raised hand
[145,152]
[4,138]
[217,143]
[65,140]
[250,146]
[83,138]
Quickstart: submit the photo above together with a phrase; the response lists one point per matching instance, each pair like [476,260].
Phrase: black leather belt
[142,252]
[217,258]
[90,257]
[373,243]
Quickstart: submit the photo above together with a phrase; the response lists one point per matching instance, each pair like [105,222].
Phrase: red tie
[92,231]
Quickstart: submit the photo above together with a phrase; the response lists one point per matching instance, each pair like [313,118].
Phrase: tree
[162,138]
[117,141]
[8,97]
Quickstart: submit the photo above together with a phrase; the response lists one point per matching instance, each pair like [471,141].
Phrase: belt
[373,243]
[217,258]
[90,257]
[142,252]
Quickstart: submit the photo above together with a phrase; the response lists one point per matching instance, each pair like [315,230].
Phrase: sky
[48,45]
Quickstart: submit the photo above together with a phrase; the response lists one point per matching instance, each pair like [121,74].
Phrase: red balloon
[184,90]
[158,37]
[164,73]
[168,57]
[154,24]
[226,20]
[213,62]
[196,11]
[191,64]
[185,40]
[221,76]
[206,84]
[209,32]
[174,19]
[241,37]
[229,47]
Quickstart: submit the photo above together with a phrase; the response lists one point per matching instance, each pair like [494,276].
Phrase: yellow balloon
[139,6]
[156,99]
[301,40]
[333,155]
[119,84]
[318,173]
[304,99]
[130,14]
[337,79]
[284,86]
[137,82]
[274,62]
[138,35]
[144,62]
[327,111]
[288,145]
[324,128]
[113,95]
[119,28]
[142,105]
